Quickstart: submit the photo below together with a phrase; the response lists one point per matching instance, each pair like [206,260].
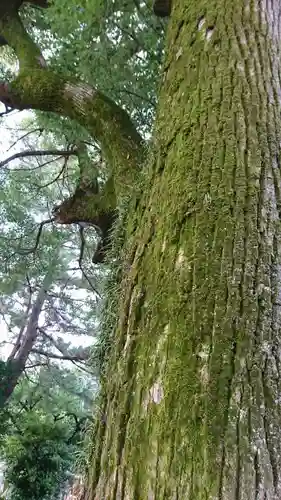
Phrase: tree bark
[192,389]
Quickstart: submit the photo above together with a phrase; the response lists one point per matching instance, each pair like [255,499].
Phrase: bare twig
[83,368]
[35,365]
[41,165]
[64,357]
[47,152]
[33,249]
[141,97]
[52,181]
[40,130]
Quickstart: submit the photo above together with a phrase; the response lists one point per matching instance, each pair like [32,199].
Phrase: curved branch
[41,89]
[34,248]
[40,130]
[121,144]
[6,112]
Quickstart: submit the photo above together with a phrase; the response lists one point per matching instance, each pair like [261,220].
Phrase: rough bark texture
[192,391]
[92,203]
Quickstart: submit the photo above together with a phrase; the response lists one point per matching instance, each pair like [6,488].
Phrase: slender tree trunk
[15,364]
[192,390]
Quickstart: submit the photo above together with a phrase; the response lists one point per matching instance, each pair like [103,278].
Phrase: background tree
[41,290]
[41,431]
[37,456]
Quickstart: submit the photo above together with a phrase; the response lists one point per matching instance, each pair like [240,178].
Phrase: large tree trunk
[192,389]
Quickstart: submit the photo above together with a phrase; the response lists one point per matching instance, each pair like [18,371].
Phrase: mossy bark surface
[192,389]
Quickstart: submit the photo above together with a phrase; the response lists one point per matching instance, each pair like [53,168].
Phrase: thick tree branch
[121,145]
[38,88]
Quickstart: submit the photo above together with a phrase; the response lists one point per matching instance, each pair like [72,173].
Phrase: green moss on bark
[12,29]
[193,377]
[110,125]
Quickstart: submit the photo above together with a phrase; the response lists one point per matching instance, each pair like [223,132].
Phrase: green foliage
[4,424]
[36,458]
[3,368]
[41,431]
[116,46]
[109,307]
